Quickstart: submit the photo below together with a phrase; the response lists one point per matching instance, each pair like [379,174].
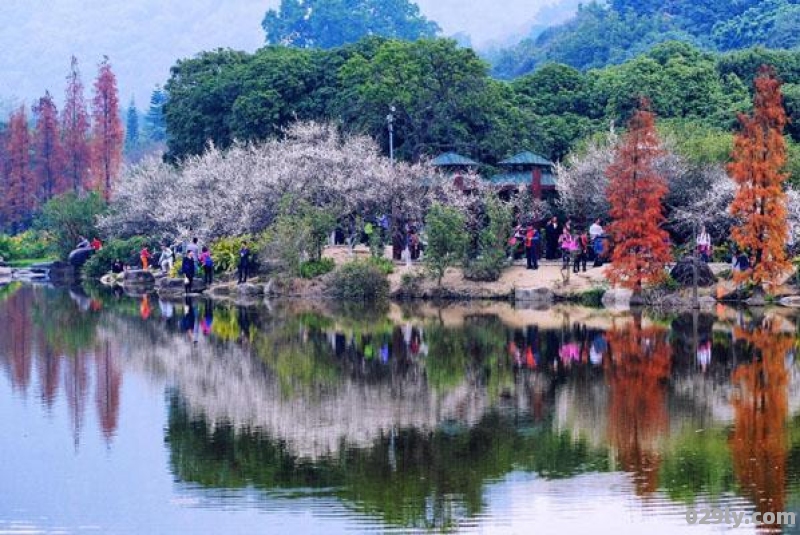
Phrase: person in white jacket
[165,260]
[704,244]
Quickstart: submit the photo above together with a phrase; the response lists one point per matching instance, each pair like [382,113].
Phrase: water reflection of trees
[408,477]
[637,373]
[55,332]
[759,442]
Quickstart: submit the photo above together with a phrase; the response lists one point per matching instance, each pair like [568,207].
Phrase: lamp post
[390,125]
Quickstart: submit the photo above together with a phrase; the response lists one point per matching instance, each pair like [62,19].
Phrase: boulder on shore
[77,257]
[169,287]
[683,272]
[537,295]
[139,279]
[617,298]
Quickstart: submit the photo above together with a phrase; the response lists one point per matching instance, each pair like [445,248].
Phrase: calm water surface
[126,415]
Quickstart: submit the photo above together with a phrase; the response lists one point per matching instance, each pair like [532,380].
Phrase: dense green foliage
[488,259]
[25,245]
[605,34]
[444,98]
[126,250]
[314,268]
[332,23]
[360,280]
[67,217]
[447,240]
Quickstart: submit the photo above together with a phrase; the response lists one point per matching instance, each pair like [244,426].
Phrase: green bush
[28,244]
[593,298]
[492,238]
[225,252]
[358,281]
[315,268]
[484,269]
[126,250]
[447,239]
[67,217]
[384,264]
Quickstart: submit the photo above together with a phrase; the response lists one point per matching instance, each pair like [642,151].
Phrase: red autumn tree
[108,135]
[635,192]
[20,193]
[759,156]
[75,131]
[4,174]
[48,158]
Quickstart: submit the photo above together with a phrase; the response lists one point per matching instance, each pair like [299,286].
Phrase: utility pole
[695,302]
[390,125]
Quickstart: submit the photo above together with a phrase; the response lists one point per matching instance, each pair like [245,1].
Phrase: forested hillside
[445,98]
[602,33]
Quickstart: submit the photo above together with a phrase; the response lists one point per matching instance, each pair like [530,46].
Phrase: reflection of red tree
[109,380]
[639,364]
[759,440]
[15,333]
[76,385]
[48,365]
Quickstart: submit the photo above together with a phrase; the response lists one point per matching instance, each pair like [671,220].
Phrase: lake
[134,415]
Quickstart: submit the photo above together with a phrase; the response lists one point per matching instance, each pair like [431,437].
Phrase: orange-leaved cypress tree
[635,192]
[20,193]
[758,159]
[108,136]
[75,131]
[48,159]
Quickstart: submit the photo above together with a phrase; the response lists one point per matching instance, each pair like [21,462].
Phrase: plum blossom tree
[239,190]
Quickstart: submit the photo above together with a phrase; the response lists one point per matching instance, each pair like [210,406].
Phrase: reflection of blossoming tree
[759,440]
[637,370]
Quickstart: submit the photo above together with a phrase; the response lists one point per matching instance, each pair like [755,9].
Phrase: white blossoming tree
[239,190]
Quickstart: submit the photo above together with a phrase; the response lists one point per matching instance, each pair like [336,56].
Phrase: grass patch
[27,262]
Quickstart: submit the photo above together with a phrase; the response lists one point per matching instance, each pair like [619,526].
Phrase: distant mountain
[602,34]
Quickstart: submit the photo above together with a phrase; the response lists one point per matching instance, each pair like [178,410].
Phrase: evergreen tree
[759,157]
[635,193]
[155,124]
[132,127]
[75,131]
[107,129]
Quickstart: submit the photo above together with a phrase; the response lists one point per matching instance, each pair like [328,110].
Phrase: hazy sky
[143,38]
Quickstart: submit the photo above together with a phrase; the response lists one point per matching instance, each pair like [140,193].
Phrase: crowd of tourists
[556,241]
[195,261]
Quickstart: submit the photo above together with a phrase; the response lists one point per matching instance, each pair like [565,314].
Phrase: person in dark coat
[552,232]
[188,269]
[244,262]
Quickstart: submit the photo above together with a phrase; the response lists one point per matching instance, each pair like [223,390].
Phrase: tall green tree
[131,127]
[155,126]
[332,23]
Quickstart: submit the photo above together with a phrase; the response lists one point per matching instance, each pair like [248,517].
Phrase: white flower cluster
[239,190]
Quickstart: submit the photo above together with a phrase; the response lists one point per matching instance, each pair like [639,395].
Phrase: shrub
[28,244]
[315,268]
[225,252]
[447,239]
[126,250]
[593,298]
[491,253]
[410,284]
[384,264]
[68,216]
[358,281]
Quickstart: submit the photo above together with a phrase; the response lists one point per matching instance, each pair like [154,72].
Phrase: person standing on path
[188,269]
[208,266]
[532,239]
[583,252]
[144,256]
[552,236]
[244,262]
[704,244]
